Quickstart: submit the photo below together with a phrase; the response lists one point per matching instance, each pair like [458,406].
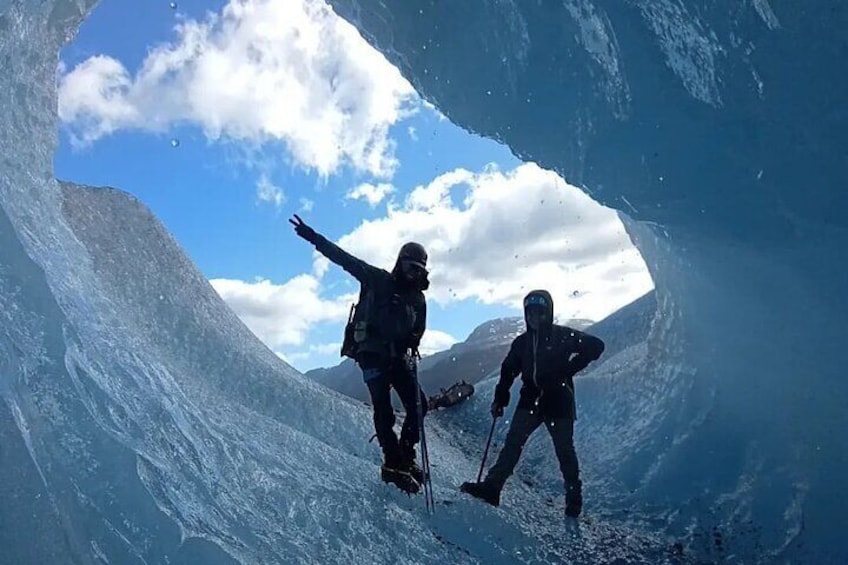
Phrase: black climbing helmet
[414,253]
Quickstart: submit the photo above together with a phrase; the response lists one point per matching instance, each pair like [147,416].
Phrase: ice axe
[486,451]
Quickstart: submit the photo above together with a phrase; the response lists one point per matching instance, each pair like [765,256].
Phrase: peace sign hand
[301,229]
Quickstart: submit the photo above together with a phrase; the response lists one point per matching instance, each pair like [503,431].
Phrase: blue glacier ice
[720,129]
[141,422]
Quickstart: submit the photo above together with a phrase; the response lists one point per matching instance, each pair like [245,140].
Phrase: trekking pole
[428,485]
[486,451]
[425,456]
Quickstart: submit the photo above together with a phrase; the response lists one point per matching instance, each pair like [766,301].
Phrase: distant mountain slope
[482,352]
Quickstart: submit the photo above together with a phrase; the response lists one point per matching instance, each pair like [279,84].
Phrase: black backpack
[355,331]
[381,322]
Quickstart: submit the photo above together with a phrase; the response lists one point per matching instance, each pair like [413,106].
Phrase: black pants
[400,375]
[523,424]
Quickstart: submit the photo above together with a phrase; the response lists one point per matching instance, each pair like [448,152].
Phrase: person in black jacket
[547,356]
[383,338]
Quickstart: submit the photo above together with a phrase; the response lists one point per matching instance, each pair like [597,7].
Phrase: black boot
[401,479]
[408,464]
[394,472]
[486,492]
[574,499]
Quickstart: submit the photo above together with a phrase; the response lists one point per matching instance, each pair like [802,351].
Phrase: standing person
[547,356]
[383,338]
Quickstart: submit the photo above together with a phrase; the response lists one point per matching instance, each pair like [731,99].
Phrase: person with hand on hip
[547,356]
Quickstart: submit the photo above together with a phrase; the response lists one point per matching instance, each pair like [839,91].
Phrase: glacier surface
[719,128]
[141,422]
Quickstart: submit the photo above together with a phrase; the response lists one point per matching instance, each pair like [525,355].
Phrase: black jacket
[547,361]
[383,294]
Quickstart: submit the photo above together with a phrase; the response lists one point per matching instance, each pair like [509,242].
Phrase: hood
[549,302]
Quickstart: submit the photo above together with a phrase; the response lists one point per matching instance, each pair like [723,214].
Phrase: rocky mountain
[471,360]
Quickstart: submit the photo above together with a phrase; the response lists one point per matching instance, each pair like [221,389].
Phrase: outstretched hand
[303,230]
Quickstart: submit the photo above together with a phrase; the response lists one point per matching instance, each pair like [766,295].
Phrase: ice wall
[142,423]
[139,418]
[717,127]
[720,129]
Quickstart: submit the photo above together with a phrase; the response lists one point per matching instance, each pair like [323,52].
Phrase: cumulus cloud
[269,192]
[261,71]
[306,205]
[435,341]
[282,314]
[494,236]
[373,194]
[312,351]
[325,348]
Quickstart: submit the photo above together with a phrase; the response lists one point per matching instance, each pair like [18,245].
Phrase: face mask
[412,271]
[535,317]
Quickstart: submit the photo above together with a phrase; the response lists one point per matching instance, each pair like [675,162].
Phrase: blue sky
[281,108]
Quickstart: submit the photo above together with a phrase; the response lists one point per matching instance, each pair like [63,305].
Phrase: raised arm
[362,271]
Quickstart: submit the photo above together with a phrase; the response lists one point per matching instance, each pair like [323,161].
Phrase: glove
[301,229]
[497,409]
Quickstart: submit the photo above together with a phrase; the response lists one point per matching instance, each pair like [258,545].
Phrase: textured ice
[766,13]
[141,422]
[173,435]
[597,37]
[730,164]
[688,48]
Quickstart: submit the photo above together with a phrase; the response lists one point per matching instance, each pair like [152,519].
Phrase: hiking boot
[401,479]
[409,465]
[414,470]
[486,492]
[574,499]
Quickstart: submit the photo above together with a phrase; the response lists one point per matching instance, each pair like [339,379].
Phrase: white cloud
[413,133]
[260,71]
[94,96]
[325,348]
[281,315]
[435,341]
[295,358]
[269,192]
[313,351]
[373,194]
[320,264]
[432,108]
[493,237]
[306,205]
